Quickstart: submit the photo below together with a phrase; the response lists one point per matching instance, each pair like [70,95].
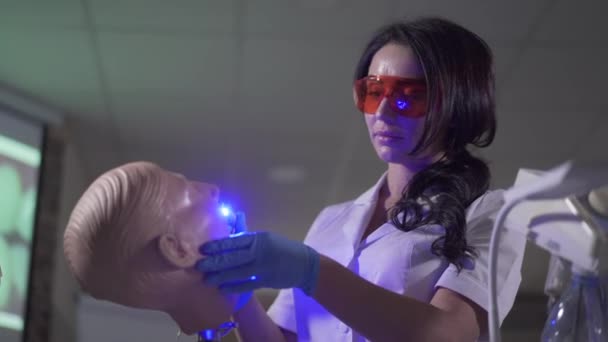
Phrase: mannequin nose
[206,189]
[214,191]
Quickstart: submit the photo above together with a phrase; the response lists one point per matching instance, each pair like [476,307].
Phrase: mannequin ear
[176,252]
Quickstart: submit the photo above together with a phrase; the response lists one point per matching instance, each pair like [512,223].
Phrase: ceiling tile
[169,64]
[47,14]
[172,119]
[496,20]
[42,59]
[359,19]
[55,66]
[575,23]
[298,85]
[180,17]
[557,79]
[301,19]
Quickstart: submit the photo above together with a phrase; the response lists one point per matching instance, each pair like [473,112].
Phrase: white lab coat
[401,262]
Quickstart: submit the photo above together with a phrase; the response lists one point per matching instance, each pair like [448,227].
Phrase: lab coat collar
[360,214]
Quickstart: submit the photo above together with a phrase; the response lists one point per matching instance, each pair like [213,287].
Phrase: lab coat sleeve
[473,280]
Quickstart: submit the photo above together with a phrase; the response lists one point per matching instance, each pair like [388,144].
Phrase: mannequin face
[192,210]
[133,239]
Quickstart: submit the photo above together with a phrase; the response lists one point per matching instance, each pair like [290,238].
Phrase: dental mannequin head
[133,239]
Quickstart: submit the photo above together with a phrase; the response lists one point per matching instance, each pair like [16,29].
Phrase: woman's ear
[176,252]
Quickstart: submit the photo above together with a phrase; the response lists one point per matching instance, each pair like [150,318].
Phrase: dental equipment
[564,211]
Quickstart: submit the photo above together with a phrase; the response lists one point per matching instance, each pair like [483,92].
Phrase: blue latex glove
[248,261]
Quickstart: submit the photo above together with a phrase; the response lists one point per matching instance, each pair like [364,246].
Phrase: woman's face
[394,136]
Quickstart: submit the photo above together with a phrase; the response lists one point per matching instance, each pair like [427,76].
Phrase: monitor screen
[20,159]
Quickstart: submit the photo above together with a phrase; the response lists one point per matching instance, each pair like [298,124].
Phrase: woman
[408,259]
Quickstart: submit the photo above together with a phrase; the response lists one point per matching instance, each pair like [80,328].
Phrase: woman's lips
[387,137]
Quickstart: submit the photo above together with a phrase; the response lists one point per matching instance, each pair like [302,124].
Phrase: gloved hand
[248,261]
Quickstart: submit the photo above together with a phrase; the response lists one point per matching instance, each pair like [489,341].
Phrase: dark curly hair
[458,69]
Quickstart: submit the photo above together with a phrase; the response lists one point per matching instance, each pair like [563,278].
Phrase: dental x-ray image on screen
[20,157]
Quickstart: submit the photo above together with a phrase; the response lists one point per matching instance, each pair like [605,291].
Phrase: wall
[65,294]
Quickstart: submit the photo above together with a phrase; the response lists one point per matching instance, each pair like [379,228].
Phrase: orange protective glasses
[406,96]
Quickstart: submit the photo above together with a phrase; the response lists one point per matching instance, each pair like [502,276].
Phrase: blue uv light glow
[225,210]
[401,104]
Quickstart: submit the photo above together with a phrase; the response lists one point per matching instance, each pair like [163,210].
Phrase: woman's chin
[388,155]
[391,155]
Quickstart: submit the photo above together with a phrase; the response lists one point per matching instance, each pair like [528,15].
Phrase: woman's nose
[384,109]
